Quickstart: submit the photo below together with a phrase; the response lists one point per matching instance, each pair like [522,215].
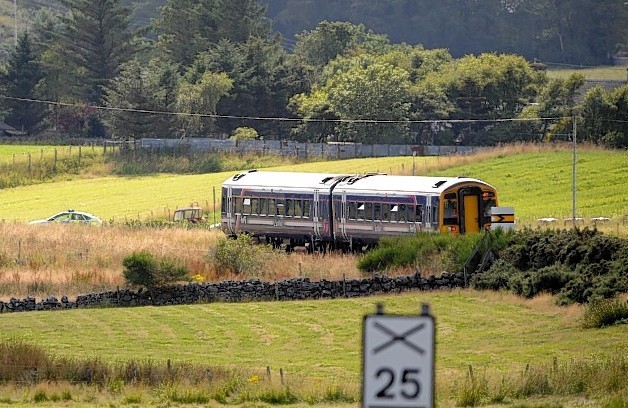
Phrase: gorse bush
[143,269]
[575,265]
[605,312]
[425,249]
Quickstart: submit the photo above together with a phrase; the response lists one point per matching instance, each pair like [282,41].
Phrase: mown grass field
[594,73]
[537,181]
[320,341]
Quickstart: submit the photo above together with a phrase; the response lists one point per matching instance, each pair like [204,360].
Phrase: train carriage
[370,206]
[279,207]
[351,211]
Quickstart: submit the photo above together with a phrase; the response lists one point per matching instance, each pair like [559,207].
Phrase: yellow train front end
[466,208]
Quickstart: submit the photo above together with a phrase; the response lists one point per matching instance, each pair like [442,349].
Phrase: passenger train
[350,211]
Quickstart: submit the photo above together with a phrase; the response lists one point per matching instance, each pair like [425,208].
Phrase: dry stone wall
[240,291]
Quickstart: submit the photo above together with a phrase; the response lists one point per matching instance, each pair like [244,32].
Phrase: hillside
[537,181]
[590,33]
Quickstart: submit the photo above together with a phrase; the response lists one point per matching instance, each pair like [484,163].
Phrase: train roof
[281,180]
[351,183]
[404,184]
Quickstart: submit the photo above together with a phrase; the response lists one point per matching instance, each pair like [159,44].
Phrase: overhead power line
[285,119]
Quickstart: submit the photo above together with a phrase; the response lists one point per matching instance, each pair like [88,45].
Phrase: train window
[263,206]
[411,213]
[394,212]
[353,210]
[488,204]
[401,213]
[246,206]
[450,212]
[378,214]
[419,213]
[386,212]
[434,215]
[360,215]
[281,208]
[238,205]
[289,208]
[451,208]
[254,205]
[298,208]
[272,206]
[368,211]
[306,208]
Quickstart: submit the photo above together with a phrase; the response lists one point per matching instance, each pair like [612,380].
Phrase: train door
[229,210]
[316,214]
[343,216]
[471,220]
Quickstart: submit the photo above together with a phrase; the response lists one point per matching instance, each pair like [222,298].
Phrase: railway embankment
[240,291]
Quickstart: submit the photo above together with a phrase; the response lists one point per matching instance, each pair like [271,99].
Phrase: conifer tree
[96,42]
[20,82]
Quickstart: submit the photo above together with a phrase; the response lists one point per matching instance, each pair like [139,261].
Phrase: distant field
[609,72]
[537,183]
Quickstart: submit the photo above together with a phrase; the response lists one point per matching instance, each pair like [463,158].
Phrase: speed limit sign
[398,361]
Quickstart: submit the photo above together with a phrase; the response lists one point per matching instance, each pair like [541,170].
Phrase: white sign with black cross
[398,360]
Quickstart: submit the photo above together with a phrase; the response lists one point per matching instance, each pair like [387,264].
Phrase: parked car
[70,216]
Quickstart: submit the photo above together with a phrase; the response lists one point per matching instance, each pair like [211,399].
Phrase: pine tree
[20,83]
[96,42]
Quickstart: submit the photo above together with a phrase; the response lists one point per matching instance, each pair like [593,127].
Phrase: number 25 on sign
[398,360]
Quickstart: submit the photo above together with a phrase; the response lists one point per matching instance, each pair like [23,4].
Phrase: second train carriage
[351,211]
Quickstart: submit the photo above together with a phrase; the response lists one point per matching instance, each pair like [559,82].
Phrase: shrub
[240,256]
[497,277]
[605,312]
[143,269]
[244,133]
[577,265]
[419,250]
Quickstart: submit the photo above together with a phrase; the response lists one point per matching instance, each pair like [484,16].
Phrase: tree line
[204,67]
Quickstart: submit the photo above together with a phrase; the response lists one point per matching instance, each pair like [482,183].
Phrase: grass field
[312,342]
[537,181]
[619,73]
[321,340]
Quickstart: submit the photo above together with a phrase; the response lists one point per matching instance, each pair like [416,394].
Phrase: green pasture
[318,338]
[605,72]
[120,198]
[538,185]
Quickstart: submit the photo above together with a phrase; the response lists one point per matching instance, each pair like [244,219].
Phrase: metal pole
[15,20]
[573,189]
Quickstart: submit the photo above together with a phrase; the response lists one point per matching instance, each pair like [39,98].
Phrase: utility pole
[573,188]
[15,20]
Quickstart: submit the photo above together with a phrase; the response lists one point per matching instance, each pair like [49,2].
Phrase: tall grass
[596,377]
[44,260]
[55,379]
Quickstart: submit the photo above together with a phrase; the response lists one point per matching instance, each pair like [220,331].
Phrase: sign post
[398,360]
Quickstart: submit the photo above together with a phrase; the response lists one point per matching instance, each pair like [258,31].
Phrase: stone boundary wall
[305,150]
[241,291]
